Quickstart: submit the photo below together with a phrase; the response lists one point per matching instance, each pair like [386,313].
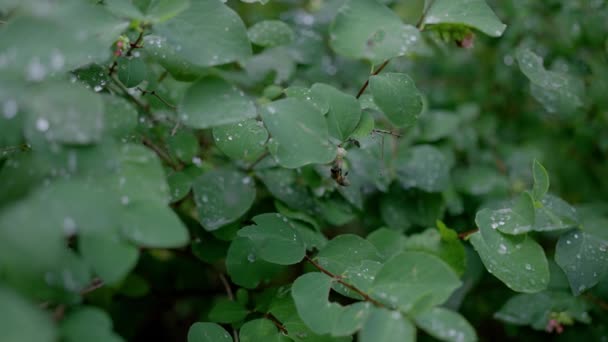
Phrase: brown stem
[423,16]
[162,154]
[383,131]
[132,47]
[337,278]
[231,297]
[364,86]
[155,94]
[144,106]
[257,161]
[276,322]
[95,284]
[465,235]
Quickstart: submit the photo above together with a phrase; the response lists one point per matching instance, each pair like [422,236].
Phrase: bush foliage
[320,170]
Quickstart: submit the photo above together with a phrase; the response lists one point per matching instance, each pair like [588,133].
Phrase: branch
[383,131]
[231,297]
[364,86]
[421,20]
[162,154]
[95,284]
[465,235]
[155,94]
[345,284]
[144,106]
[276,322]
[132,47]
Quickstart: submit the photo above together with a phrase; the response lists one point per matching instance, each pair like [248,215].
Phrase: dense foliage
[315,170]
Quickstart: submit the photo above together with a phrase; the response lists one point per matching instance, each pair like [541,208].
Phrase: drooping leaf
[212,102]
[370,30]
[398,98]
[244,140]
[299,133]
[584,259]
[270,33]
[244,267]
[472,13]
[518,218]
[152,224]
[208,33]
[344,110]
[110,267]
[275,238]
[541,181]
[222,196]
[208,332]
[446,325]
[384,326]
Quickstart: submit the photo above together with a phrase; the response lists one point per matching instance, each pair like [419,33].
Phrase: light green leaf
[387,326]
[344,110]
[208,332]
[23,321]
[110,267]
[270,33]
[88,324]
[153,224]
[450,251]
[208,33]
[318,100]
[261,330]
[473,13]
[245,140]
[518,218]
[541,181]
[446,325]
[517,260]
[583,258]
[64,113]
[370,30]
[222,196]
[414,281]
[225,310]
[388,242]
[424,167]
[555,90]
[244,267]
[365,126]
[398,98]
[299,133]
[120,116]
[213,102]
[275,239]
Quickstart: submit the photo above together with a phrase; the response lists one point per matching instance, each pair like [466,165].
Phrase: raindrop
[69,226]
[124,200]
[502,249]
[42,124]
[35,70]
[10,109]
[251,257]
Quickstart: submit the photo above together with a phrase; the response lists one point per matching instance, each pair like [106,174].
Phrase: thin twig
[155,94]
[95,284]
[420,23]
[345,284]
[132,47]
[162,154]
[276,322]
[465,235]
[231,297]
[257,161]
[144,106]
[383,131]
[364,86]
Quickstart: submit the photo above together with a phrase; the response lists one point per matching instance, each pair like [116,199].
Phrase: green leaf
[64,113]
[536,309]
[451,251]
[299,133]
[261,330]
[23,321]
[414,281]
[557,91]
[387,326]
[152,224]
[161,10]
[270,33]
[244,268]
[245,140]
[344,251]
[317,99]
[388,242]
[225,310]
[446,325]
[517,260]
[208,332]
[275,239]
[583,258]
[424,167]
[310,293]
[365,127]
[208,33]
[369,30]
[515,219]
[541,181]
[120,117]
[131,71]
[473,13]
[183,145]
[398,98]
[344,110]
[110,267]
[554,214]
[88,324]
[211,102]
[222,196]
